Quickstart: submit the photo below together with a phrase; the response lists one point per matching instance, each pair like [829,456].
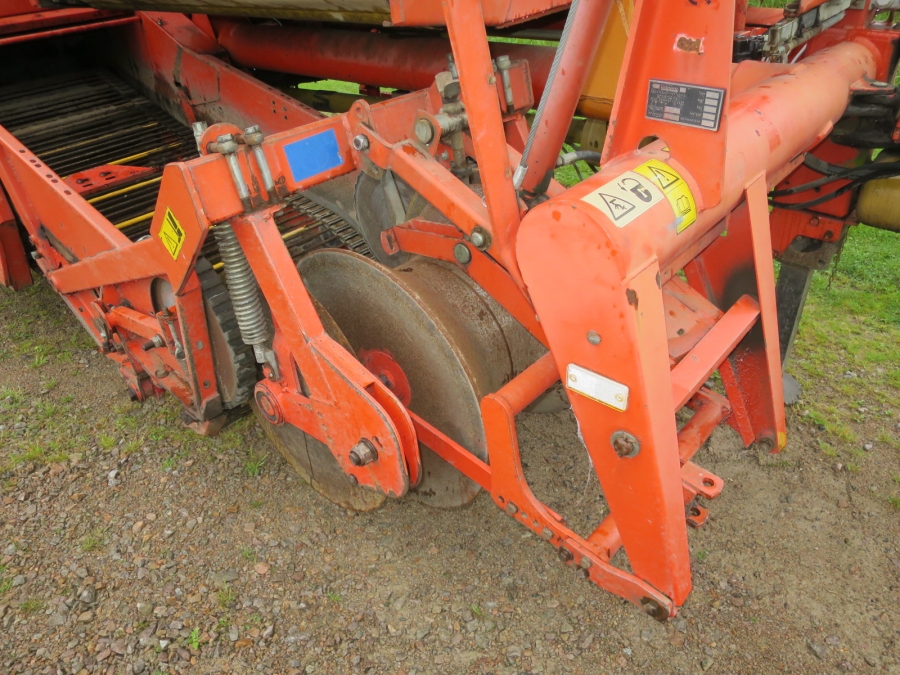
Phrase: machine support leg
[790,294]
[14,271]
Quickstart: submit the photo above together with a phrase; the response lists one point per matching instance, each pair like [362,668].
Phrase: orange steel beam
[465,23]
[573,62]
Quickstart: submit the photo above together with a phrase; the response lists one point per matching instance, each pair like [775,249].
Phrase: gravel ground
[128,545]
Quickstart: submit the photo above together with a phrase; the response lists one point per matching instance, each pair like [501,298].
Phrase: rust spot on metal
[632,297]
[689,44]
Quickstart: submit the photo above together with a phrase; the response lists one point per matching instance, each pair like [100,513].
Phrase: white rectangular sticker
[596,387]
[624,198]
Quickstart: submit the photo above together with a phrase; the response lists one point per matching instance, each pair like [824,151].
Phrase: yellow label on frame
[171,234]
[674,188]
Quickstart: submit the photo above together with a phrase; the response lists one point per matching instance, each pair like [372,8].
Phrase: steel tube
[768,127]
[376,59]
[572,61]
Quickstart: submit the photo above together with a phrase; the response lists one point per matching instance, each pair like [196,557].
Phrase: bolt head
[546,534]
[360,143]
[593,337]
[511,508]
[462,254]
[566,555]
[224,138]
[363,453]
[252,130]
[625,444]
[477,238]
[424,131]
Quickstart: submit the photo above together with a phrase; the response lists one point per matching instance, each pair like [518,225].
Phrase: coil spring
[242,287]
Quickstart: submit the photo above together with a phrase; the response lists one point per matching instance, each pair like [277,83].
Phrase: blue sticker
[312,155]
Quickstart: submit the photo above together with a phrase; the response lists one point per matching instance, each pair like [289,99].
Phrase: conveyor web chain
[75,122]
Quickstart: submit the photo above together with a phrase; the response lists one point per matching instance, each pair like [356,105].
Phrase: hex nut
[360,143]
[363,453]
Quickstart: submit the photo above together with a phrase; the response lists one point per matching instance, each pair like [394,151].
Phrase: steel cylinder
[879,204]
[769,125]
[377,59]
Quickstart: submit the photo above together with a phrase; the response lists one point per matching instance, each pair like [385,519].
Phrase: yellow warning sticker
[171,234]
[674,188]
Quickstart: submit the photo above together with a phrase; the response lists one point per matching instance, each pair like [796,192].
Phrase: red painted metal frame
[346,402]
[14,271]
[40,26]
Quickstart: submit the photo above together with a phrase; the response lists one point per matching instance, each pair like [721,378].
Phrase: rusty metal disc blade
[317,466]
[406,313]
[311,458]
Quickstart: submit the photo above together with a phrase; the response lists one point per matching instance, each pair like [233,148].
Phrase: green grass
[333,596]
[92,542]
[225,596]
[254,464]
[194,639]
[31,606]
[845,355]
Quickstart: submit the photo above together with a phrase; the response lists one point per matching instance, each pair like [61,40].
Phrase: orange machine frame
[606,298]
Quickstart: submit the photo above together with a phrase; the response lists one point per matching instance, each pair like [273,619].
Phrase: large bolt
[363,453]
[360,143]
[625,444]
[480,238]
[424,131]
[462,254]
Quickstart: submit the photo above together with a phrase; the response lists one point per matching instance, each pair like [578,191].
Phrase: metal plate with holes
[596,387]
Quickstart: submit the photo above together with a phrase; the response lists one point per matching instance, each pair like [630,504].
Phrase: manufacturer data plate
[596,387]
[685,104]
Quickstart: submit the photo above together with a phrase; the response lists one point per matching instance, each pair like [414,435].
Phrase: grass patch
[193,640]
[225,596]
[31,605]
[254,464]
[93,542]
